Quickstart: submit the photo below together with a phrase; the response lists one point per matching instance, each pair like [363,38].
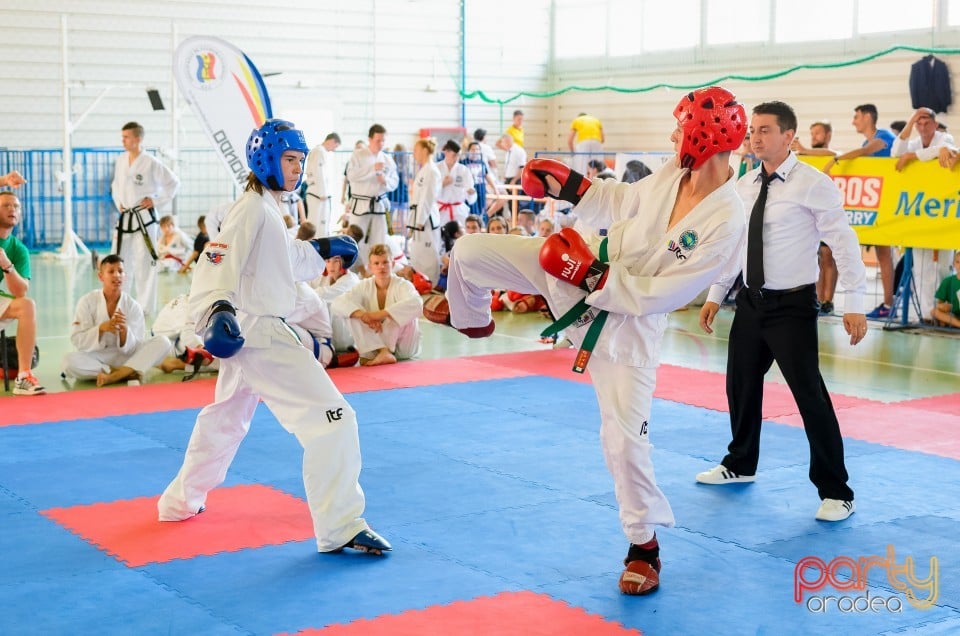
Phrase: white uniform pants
[580,161]
[927,274]
[319,212]
[320,418]
[342,337]
[483,262]
[140,267]
[403,341]
[374,226]
[85,365]
[457,212]
[424,248]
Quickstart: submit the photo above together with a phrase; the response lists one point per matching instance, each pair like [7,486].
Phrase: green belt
[582,313]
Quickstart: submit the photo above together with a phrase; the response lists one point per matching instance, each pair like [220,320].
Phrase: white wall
[396,62]
[643,121]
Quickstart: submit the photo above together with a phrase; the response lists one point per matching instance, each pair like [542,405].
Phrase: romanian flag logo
[206,67]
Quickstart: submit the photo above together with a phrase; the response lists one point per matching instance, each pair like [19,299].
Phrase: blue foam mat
[482,487]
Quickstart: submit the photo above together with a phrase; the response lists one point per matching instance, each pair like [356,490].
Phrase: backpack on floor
[9,345]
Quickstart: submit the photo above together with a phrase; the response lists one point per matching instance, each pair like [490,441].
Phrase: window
[579,30]
[880,16]
[953,12]
[733,21]
[670,24]
[624,37]
[812,20]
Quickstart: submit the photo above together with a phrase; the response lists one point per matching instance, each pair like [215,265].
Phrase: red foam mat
[554,363]
[899,425]
[707,389]
[423,373]
[949,404]
[107,401]
[506,614]
[237,518]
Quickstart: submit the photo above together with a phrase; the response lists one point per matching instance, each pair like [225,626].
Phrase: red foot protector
[236,518]
[506,614]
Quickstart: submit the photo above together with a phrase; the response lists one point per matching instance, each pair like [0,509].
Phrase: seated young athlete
[109,333]
[383,312]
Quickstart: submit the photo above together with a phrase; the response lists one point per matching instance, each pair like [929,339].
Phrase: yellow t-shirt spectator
[587,127]
[516,133]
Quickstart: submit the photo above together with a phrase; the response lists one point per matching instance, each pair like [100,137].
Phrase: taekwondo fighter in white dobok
[320,187]
[244,285]
[141,184]
[457,185]
[669,237]
[424,224]
[371,174]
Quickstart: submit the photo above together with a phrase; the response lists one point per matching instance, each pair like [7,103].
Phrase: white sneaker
[720,474]
[835,510]
[28,385]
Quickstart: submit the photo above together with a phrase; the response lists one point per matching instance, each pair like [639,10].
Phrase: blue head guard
[266,146]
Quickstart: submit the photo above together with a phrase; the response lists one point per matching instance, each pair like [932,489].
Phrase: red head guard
[712,121]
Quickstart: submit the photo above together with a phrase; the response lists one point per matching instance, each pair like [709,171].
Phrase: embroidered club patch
[689,239]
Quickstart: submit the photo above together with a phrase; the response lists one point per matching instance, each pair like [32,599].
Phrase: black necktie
[755,234]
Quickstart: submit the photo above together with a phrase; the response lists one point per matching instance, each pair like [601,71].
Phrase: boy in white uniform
[320,187]
[110,334]
[383,312]
[457,185]
[371,174]
[669,237]
[425,222]
[139,181]
[244,286]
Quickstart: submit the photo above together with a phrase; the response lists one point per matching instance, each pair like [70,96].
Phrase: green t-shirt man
[947,293]
[19,255]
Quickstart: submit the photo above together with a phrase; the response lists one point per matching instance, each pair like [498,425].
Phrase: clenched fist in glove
[340,245]
[535,184]
[222,336]
[567,256]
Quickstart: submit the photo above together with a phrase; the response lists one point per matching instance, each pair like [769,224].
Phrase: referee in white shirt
[776,317]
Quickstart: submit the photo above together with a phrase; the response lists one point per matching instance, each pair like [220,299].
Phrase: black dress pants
[782,326]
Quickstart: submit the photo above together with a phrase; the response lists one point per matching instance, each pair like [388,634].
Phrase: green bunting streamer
[746,78]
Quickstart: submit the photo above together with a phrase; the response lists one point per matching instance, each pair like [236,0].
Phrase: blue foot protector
[367,541]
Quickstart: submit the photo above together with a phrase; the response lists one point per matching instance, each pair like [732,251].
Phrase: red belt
[446,206]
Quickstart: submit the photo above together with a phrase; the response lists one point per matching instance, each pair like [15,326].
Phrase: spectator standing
[877,142]
[929,266]
[371,174]
[141,184]
[319,177]
[586,139]
[821,134]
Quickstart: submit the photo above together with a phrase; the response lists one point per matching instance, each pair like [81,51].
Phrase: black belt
[373,204]
[132,225]
[773,293]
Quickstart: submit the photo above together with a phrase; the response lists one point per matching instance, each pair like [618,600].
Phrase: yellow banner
[919,207]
